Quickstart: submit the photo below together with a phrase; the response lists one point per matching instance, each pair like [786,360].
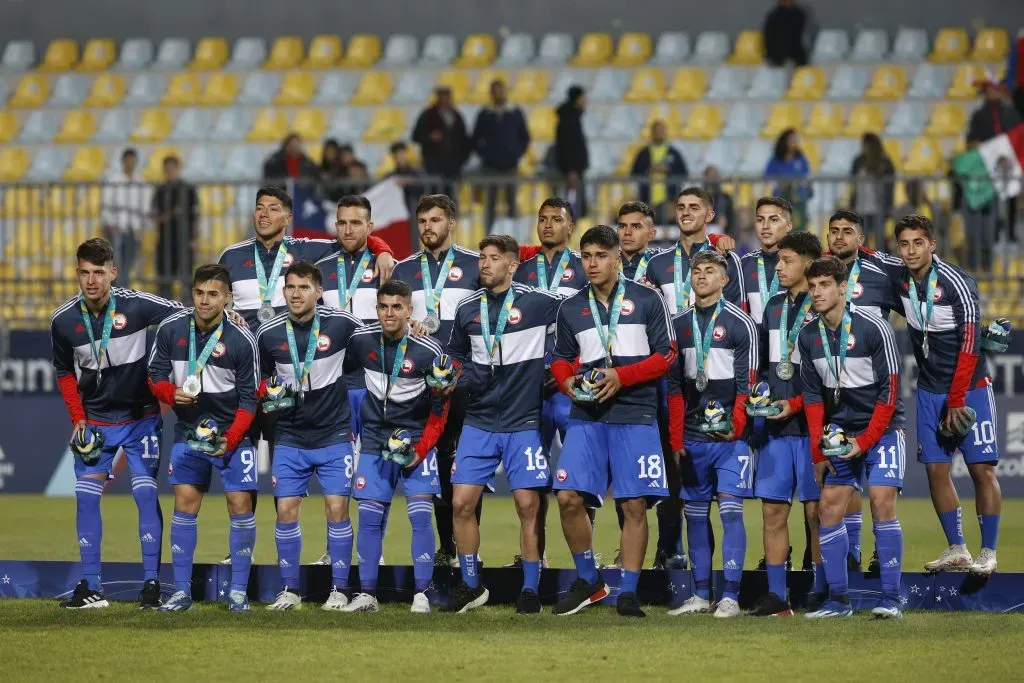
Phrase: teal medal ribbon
[929,294]
[766,291]
[491,343]
[702,344]
[267,285]
[305,368]
[851,281]
[196,364]
[347,290]
[683,285]
[432,291]
[99,350]
[607,333]
[835,363]
[785,369]
[542,271]
[641,268]
[396,367]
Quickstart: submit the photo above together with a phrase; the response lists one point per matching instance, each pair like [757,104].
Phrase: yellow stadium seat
[363,52]
[20,202]
[688,85]
[647,85]
[324,52]
[31,92]
[531,86]
[387,125]
[704,123]
[542,122]
[667,114]
[808,83]
[78,126]
[749,48]
[285,54]
[60,55]
[964,78]
[481,93]
[216,199]
[107,90]
[894,150]
[923,158]
[13,163]
[99,54]
[154,126]
[154,171]
[951,45]
[458,81]
[633,49]
[374,88]
[221,89]
[86,165]
[864,118]
[310,123]
[270,126]
[889,82]
[812,152]
[297,89]
[211,53]
[595,50]
[182,91]
[478,51]
[8,126]
[781,117]
[825,121]
[948,120]
[991,45]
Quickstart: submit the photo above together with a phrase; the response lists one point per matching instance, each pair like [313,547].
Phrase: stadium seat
[672,49]
[633,49]
[260,87]
[749,48]
[727,83]
[310,123]
[838,158]
[848,83]
[363,51]
[8,126]
[30,93]
[864,118]
[808,83]
[755,158]
[911,45]
[894,150]
[192,125]
[413,87]
[907,119]
[781,117]
[374,88]
[811,151]
[154,126]
[888,82]
[270,125]
[145,90]
[386,125]
[667,114]
[870,45]
[923,158]
[153,169]
[930,82]
[231,124]
[647,85]
[964,79]
[221,89]
[830,46]
[824,121]
[624,121]
[211,53]
[439,50]
[203,164]
[172,54]
[478,51]
[324,52]
[947,120]
[516,50]
[991,45]
[712,47]
[555,49]
[18,56]
[744,121]
[286,53]
[115,126]
[107,91]
[481,92]
[703,123]
[248,53]
[78,126]
[13,164]
[688,85]
[69,90]
[98,55]
[565,79]
[86,165]
[595,49]
[722,154]
[951,46]
[61,55]
[182,91]
[136,54]
[336,87]
[530,87]
[609,86]
[348,123]
[768,84]
[458,81]
[48,165]
[39,126]
[541,122]
[297,89]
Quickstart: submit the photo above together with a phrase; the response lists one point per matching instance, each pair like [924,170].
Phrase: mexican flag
[992,169]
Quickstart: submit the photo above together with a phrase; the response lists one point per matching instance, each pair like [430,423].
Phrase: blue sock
[184,533]
[585,567]
[151,524]
[989,530]
[734,545]
[339,547]
[628,582]
[670,533]
[835,546]
[289,551]
[531,575]
[89,523]
[953,526]
[469,569]
[369,542]
[698,535]
[889,543]
[854,523]
[819,579]
[241,539]
[777,579]
[421,517]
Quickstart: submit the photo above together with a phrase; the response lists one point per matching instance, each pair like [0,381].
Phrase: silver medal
[266,313]
[924,347]
[785,370]
[432,323]
[701,380]
[192,385]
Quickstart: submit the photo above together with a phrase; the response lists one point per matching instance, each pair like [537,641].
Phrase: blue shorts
[519,453]
[554,418]
[140,441]
[625,457]
[979,445]
[712,467]
[783,467]
[883,465]
[293,468]
[355,404]
[377,478]
[238,471]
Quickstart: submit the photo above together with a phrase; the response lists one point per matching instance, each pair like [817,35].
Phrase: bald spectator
[124,212]
[660,168]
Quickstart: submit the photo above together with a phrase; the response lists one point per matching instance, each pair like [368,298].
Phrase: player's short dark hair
[827,266]
[437,201]
[395,288]
[356,201]
[211,271]
[914,221]
[96,251]
[277,192]
[778,202]
[710,256]
[305,269]
[558,203]
[506,244]
[848,216]
[601,235]
[636,207]
[700,193]
[802,243]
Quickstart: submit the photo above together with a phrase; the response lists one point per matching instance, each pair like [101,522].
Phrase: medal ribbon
[432,292]
[345,296]
[641,269]
[491,343]
[835,364]
[766,292]
[702,343]
[929,295]
[99,350]
[196,365]
[851,281]
[303,370]
[396,367]
[607,333]
[542,271]
[792,332]
[266,286]
[683,286]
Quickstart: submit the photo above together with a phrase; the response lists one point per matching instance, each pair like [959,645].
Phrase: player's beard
[845,254]
[432,241]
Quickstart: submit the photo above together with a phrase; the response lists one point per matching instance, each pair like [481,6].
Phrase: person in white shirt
[124,211]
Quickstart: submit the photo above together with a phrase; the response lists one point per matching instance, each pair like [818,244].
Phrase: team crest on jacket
[289,259]
[858,290]
[368,275]
[628,307]
[408,365]
[851,341]
[323,342]
[938,293]
[719,333]
[120,321]
[568,274]
[455,274]
[514,316]
[219,350]
[561,475]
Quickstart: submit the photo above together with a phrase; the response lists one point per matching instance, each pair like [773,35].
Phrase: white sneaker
[335,601]
[727,607]
[226,560]
[324,561]
[362,603]
[381,561]
[955,558]
[695,605]
[420,604]
[286,600]
[986,563]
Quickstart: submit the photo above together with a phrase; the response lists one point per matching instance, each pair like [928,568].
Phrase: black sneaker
[464,598]
[443,559]
[660,559]
[149,597]
[771,605]
[762,565]
[815,601]
[874,568]
[517,562]
[85,598]
[528,603]
[580,595]
[852,563]
[808,563]
[628,606]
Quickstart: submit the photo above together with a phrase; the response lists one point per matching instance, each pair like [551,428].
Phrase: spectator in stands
[176,213]
[789,164]
[785,34]
[500,139]
[1015,72]
[354,171]
[441,134]
[873,173]
[407,174]
[124,211]
[725,213]
[661,168]
[571,156]
[290,163]
[331,170]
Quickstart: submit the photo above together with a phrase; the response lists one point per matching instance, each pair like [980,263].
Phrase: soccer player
[204,365]
[99,357]
[304,350]
[636,231]
[850,376]
[718,362]
[396,366]
[622,329]
[773,220]
[783,467]
[503,371]
[943,314]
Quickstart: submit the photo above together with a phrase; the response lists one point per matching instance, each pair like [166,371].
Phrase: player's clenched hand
[222,448]
[608,385]
[568,385]
[954,418]
[417,329]
[724,436]
[679,455]
[235,317]
[725,244]
[385,264]
[820,469]
[787,411]
[81,424]
[855,451]
[184,400]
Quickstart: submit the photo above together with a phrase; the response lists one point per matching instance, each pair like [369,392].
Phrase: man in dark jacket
[441,134]
[290,163]
[407,174]
[571,156]
[500,139]
[661,167]
[176,212]
[785,29]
